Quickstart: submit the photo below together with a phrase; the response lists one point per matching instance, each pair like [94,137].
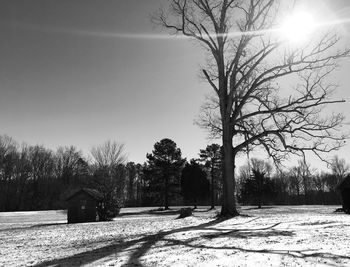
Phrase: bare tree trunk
[229,207]
[212,186]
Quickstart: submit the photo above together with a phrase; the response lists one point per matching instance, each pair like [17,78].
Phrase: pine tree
[163,170]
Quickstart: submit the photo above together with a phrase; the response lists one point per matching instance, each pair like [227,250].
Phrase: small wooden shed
[344,188]
[82,205]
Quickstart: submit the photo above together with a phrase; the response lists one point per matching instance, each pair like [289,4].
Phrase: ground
[272,236]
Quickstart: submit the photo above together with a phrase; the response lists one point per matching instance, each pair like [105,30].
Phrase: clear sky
[71,74]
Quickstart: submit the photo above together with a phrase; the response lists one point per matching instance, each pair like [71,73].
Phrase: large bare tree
[247,66]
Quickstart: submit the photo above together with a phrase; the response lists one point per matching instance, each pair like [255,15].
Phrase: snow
[272,236]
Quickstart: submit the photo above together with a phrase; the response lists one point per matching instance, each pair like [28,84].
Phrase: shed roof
[95,194]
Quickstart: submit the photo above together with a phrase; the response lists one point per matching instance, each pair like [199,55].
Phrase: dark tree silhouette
[109,177]
[259,186]
[70,164]
[164,168]
[110,183]
[131,169]
[140,183]
[247,63]
[194,182]
[211,156]
[109,154]
[37,178]
[42,163]
[339,169]
[8,158]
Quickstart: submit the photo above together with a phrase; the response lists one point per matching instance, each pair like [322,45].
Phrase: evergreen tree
[194,183]
[163,170]
[211,155]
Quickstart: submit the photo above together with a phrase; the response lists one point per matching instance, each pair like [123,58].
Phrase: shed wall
[82,208]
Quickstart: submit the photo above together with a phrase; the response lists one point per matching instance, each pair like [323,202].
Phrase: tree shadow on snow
[32,226]
[145,243]
[134,259]
[162,211]
[262,208]
[119,246]
[246,233]
[159,212]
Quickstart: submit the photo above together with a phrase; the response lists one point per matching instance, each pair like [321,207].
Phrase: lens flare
[298,27]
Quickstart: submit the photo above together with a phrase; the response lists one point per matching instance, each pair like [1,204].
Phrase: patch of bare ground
[274,236]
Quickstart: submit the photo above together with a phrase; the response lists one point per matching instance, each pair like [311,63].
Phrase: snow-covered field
[272,236]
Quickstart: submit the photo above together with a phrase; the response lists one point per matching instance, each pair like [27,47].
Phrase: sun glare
[298,27]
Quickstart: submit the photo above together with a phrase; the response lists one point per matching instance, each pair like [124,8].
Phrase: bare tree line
[37,178]
[296,185]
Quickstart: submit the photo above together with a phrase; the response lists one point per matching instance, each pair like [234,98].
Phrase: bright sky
[70,74]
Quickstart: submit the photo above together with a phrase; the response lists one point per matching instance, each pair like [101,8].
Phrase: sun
[297,27]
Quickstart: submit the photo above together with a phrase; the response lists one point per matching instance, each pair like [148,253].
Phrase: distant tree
[110,184]
[244,174]
[259,186]
[8,159]
[109,177]
[211,156]
[306,176]
[339,169]
[164,167]
[194,182]
[281,183]
[301,181]
[71,170]
[109,154]
[319,184]
[259,179]
[41,192]
[23,175]
[295,182]
[132,172]
[262,165]
[140,183]
[70,165]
